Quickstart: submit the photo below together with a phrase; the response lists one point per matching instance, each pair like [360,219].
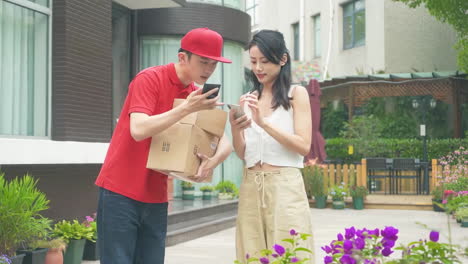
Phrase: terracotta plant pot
[54,256]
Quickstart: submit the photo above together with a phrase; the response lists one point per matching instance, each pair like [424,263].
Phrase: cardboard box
[174,151]
[212,121]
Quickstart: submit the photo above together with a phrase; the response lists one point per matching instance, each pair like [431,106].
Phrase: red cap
[204,42]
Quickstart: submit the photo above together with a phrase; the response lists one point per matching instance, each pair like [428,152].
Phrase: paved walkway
[219,248]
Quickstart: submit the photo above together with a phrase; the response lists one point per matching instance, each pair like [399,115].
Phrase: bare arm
[143,126]
[223,151]
[300,141]
[209,164]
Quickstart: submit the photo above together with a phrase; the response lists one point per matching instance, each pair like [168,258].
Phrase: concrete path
[219,248]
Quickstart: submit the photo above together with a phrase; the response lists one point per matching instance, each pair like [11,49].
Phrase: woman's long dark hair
[273,47]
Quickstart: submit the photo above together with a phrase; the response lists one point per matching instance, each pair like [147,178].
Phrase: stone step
[197,222]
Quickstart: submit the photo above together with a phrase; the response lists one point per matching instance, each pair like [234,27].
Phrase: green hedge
[337,148]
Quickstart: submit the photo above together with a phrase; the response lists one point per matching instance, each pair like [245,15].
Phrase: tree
[453,12]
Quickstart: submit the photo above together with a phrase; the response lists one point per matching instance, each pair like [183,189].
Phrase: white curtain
[23,71]
[233,88]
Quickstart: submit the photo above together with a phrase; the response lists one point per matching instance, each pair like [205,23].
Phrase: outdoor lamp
[433,103]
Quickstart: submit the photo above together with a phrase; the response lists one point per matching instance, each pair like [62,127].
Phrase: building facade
[65,66]
[356,37]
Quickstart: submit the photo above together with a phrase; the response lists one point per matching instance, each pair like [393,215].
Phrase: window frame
[317,52]
[353,42]
[296,39]
[254,8]
[47,11]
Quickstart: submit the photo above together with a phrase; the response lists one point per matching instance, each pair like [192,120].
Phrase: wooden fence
[338,173]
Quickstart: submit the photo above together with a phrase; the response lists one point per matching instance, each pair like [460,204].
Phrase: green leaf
[289,240]
[302,249]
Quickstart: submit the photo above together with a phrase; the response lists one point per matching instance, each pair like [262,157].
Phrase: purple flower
[387,251]
[350,232]
[434,236]
[279,249]
[293,232]
[359,243]
[347,259]
[294,260]
[340,237]
[328,260]
[264,260]
[374,232]
[327,249]
[388,243]
[360,234]
[247,256]
[390,233]
[274,255]
[347,245]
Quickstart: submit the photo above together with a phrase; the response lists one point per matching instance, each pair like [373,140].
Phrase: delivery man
[132,209]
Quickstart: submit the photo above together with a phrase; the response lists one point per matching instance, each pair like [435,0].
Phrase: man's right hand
[197,101]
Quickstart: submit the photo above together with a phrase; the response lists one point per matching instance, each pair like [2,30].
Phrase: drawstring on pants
[260,181]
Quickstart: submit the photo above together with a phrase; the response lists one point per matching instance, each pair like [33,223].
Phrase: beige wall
[415,40]
[398,38]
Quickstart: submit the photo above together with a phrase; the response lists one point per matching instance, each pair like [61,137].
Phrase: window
[251,7]
[295,28]
[24,64]
[317,39]
[354,24]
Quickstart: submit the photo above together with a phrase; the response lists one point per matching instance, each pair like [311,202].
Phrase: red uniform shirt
[124,171]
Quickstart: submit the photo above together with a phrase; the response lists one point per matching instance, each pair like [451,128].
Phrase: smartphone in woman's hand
[239,112]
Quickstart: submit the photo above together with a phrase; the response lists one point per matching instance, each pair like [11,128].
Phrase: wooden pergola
[354,91]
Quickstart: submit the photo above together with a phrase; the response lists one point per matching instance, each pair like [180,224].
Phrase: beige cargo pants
[270,205]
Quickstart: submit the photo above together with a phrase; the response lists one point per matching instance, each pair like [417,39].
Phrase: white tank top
[263,148]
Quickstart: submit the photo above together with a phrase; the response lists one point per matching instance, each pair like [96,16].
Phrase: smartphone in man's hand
[239,112]
[209,86]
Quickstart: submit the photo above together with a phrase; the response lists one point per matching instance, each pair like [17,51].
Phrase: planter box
[436,207]
[206,196]
[225,196]
[464,223]
[358,203]
[338,205]
[188,193]
[36,256]
[320,202]
[18,259]
[91,251]
[74,252]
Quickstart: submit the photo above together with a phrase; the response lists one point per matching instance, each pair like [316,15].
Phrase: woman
[272,195]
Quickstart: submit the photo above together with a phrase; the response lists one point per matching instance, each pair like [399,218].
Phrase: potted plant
[462,216]
[207,192]
[227,190]
[358,193]
[91,251]
[55,251]
[75,235]
[20,220]
[338,193]
[437,196]
[317,188]
[313,181]
[188,191]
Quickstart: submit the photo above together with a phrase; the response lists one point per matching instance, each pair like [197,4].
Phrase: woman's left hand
[252,102]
